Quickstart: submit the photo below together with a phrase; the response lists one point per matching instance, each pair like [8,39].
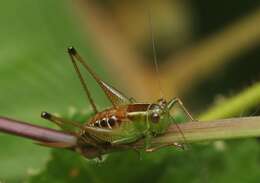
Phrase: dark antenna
[155,53]
[157,70]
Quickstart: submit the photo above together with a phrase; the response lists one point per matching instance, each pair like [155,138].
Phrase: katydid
[125,122]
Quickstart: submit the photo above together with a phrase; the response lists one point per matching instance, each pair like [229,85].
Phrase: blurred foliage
[198,165]
[36,75]
[232,107]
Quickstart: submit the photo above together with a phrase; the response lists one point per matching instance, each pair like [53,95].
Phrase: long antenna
[157,69]
[155,60]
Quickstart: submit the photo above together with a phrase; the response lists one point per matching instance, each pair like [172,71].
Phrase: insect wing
[113,136]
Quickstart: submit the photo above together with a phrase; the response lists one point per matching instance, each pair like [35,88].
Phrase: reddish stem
[34,132]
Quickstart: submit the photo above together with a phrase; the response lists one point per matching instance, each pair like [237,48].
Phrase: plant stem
[214,130]
[34,132]
[235,105]
[232,128]
[194,132]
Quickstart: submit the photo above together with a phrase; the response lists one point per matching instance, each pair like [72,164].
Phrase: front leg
[178,101]
[147,141]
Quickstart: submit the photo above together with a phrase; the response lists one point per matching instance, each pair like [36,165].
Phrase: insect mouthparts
[72,50]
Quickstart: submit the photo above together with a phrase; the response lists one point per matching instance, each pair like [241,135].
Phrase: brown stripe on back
[137,107]
[115,116]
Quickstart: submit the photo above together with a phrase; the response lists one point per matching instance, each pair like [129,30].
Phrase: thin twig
[34,132]
[225,129]
[194,132]
[212,130]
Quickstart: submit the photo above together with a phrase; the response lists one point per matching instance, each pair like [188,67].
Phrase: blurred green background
[36,75]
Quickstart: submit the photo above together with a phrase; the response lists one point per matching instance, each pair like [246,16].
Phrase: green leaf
[200,164]
[36,75]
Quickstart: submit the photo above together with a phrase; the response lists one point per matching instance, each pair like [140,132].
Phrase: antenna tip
[45,115]
[72,50]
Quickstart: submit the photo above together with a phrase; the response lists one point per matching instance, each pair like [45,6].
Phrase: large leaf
[35,75]
[200,164]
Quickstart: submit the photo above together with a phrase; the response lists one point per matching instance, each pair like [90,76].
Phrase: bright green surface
[35,74]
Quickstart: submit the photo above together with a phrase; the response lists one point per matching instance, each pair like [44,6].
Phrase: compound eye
[155,117]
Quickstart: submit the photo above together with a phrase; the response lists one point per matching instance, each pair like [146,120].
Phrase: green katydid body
[125,122]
